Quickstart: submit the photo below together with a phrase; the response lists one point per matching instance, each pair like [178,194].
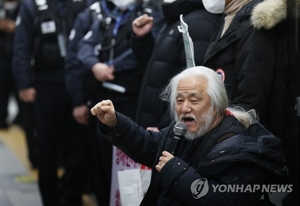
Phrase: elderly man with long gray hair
[222,148]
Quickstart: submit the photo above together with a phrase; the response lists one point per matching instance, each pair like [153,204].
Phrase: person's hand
[166,156]
[81,114]
[103,72]
[27,95]
[7,25]
[153,129]
[142,25]
[105,111]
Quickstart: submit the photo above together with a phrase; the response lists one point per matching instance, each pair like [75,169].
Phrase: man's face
[193,105]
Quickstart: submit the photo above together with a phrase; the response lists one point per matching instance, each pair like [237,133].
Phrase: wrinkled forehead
[192,84]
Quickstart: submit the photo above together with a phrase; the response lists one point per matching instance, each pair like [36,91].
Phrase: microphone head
[180,129]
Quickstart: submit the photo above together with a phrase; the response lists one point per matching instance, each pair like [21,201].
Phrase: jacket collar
[264,14]
[268,13]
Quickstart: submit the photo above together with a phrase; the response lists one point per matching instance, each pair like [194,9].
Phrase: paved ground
[17,185]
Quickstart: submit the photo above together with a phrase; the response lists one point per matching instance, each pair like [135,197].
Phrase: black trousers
[7,87]
[61,139]
[26,119]
[25,116]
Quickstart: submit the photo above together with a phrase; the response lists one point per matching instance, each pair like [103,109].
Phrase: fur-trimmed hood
[269,13]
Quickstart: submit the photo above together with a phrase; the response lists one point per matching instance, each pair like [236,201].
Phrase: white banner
[122,162]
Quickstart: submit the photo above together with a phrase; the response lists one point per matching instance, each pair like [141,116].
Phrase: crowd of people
[125,62]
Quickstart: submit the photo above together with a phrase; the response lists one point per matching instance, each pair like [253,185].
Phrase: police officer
[81,100]
[40,49]
[25,116]
[111,28]
[8,14]
[75,70]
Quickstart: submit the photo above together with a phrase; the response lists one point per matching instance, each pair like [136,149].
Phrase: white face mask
[10,5]
[214,6]
[123,4]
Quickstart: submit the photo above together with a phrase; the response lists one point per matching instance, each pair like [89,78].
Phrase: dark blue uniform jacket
[127,73]
[25,43]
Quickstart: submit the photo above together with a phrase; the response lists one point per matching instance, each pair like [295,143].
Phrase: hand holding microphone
[179,131]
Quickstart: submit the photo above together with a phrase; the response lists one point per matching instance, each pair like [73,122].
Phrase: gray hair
[215,89]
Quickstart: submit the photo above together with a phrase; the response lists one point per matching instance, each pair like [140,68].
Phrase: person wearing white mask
[124,4]
[39,51]
[25,117]
[250,30]
[107,69]
[251,54]
[165,57]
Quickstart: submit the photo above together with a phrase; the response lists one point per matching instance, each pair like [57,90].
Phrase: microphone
[179,132]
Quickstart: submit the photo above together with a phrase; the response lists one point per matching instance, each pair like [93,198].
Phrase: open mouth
[187,119]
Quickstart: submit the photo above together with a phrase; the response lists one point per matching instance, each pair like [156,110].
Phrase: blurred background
[18,180]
